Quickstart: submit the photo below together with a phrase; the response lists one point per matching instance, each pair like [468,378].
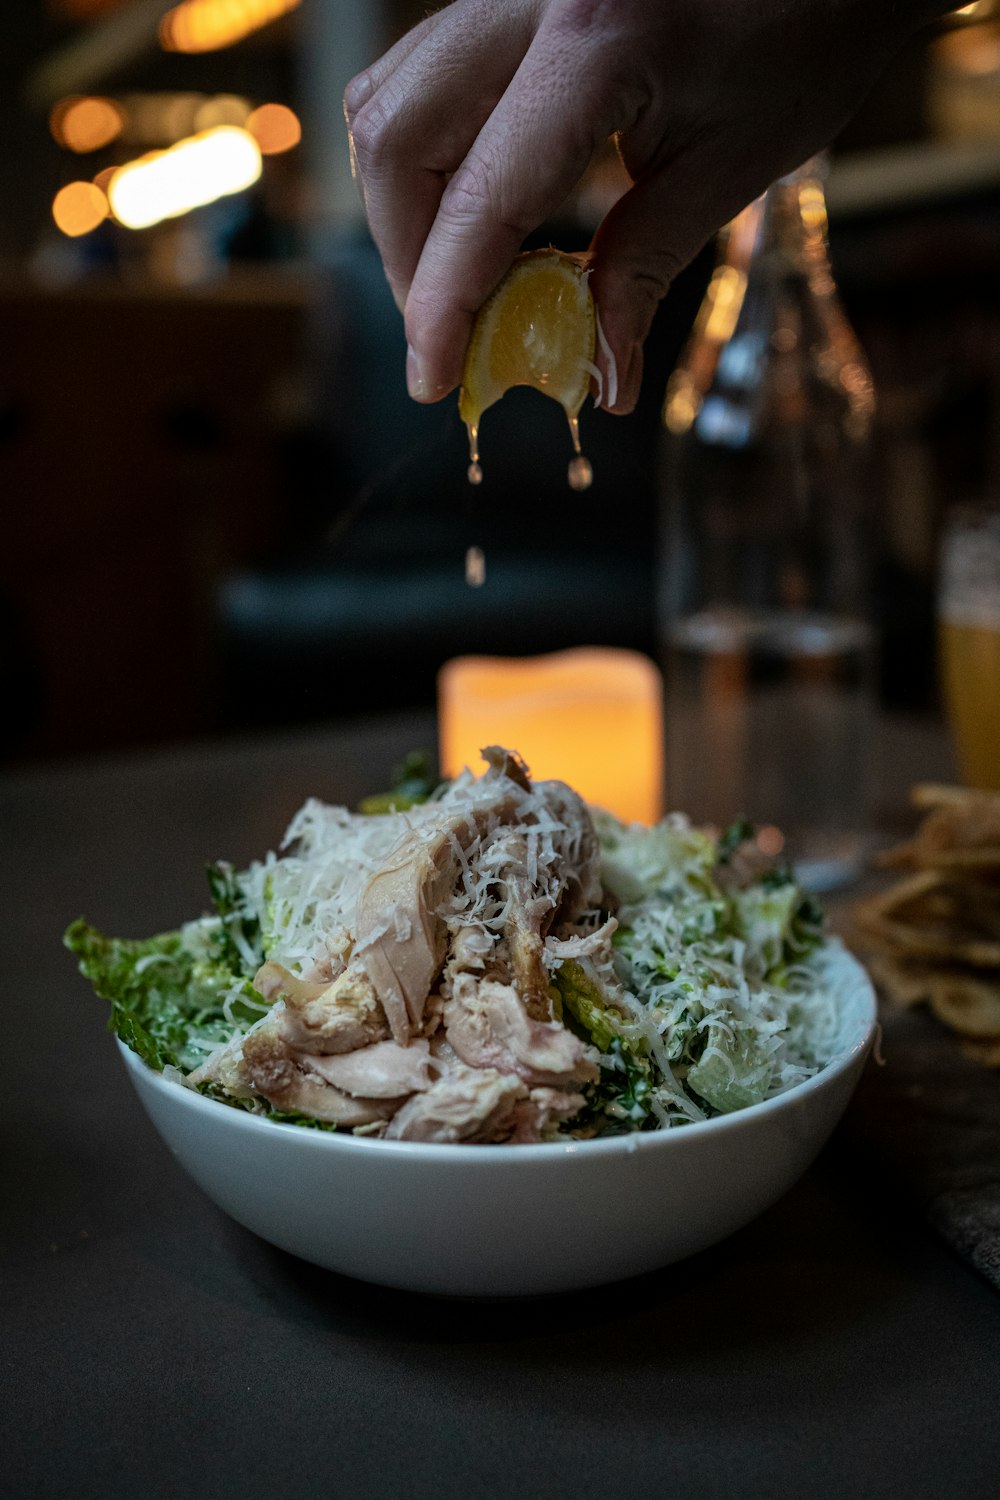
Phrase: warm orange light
[591,717]
[207,25]
[275,128]
[196,171]
[78,208]
[86,123]
[160,119]
[724,300]
[103,178]
[222,109]
[770,840]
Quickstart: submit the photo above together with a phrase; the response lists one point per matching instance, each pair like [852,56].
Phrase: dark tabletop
[838,1346]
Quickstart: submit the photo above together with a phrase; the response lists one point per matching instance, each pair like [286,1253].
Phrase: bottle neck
[787,226]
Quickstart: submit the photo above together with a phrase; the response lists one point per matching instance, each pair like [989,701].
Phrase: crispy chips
[934,934]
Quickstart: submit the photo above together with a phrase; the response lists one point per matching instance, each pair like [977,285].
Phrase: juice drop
[474,473]
[580,474]
[475,567]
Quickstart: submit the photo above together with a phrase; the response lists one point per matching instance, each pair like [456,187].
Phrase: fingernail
[416,381]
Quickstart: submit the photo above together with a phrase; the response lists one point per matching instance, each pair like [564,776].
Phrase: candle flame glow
[591,717]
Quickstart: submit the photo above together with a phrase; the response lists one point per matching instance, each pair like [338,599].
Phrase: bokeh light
[186,176]
[86,123]
[78,208]
[275,128]
[207,25]
[221,109]
[103,178]
[770,840]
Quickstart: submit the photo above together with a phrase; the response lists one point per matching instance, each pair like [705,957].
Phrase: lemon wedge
[538,328]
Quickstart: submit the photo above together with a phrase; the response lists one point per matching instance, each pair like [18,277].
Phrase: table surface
[152,1347]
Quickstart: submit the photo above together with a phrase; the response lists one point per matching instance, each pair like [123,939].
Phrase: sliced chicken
[401,938]
[401,933]
[431,1021]
[383,1071]
[488,1026]
[542,1109]
[325,1018]
[286,1079]
[507,763]
[477,1105]
[527,914]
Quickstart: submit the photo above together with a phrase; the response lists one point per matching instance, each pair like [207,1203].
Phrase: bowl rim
[860,1040]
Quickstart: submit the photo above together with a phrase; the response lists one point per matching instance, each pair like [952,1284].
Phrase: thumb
[651,234]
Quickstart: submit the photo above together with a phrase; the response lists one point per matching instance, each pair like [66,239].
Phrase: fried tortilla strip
[968,1006]
[899,856]
[982,859]
[902,984]
[939,794]
[985,1051]
[915,855]
[929,916]
[972,823]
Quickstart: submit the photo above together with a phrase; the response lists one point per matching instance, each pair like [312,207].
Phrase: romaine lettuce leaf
[734,1070]
[161,994]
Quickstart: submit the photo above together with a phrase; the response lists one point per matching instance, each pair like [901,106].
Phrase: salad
[493,962]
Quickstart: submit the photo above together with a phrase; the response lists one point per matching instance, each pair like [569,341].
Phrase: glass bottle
[764,608]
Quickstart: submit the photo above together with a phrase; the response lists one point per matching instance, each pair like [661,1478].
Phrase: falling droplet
[580,474]
[474,473]
[475,567]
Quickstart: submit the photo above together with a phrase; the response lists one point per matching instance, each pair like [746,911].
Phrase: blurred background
[221,511]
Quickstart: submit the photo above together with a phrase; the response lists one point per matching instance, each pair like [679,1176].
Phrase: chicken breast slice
[383,1071]
[479,1106]
[488,1026]
[476,1105]
[325,1018]
[401,936]
[288,1082]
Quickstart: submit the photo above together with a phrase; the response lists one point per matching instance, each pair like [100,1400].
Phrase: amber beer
[970,665]
[969,643]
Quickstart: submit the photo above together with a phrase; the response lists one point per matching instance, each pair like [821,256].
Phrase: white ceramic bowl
[495,1221]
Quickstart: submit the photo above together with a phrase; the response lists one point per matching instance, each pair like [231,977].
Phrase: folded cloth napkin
[933,1116]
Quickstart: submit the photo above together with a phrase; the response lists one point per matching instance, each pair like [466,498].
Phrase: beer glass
[969,641]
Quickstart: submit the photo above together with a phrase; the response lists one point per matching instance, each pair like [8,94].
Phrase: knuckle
[473,197]
[357,93]
[371,132]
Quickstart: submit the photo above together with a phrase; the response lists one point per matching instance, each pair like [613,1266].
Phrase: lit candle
[591,717]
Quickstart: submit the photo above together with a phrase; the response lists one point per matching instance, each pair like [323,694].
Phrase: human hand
[476,126]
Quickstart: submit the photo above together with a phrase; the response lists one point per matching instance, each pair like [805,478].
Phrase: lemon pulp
[538,328]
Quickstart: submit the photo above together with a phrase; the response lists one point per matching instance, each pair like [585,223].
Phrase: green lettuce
[733,1072]
[161,993]
[622,1094]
